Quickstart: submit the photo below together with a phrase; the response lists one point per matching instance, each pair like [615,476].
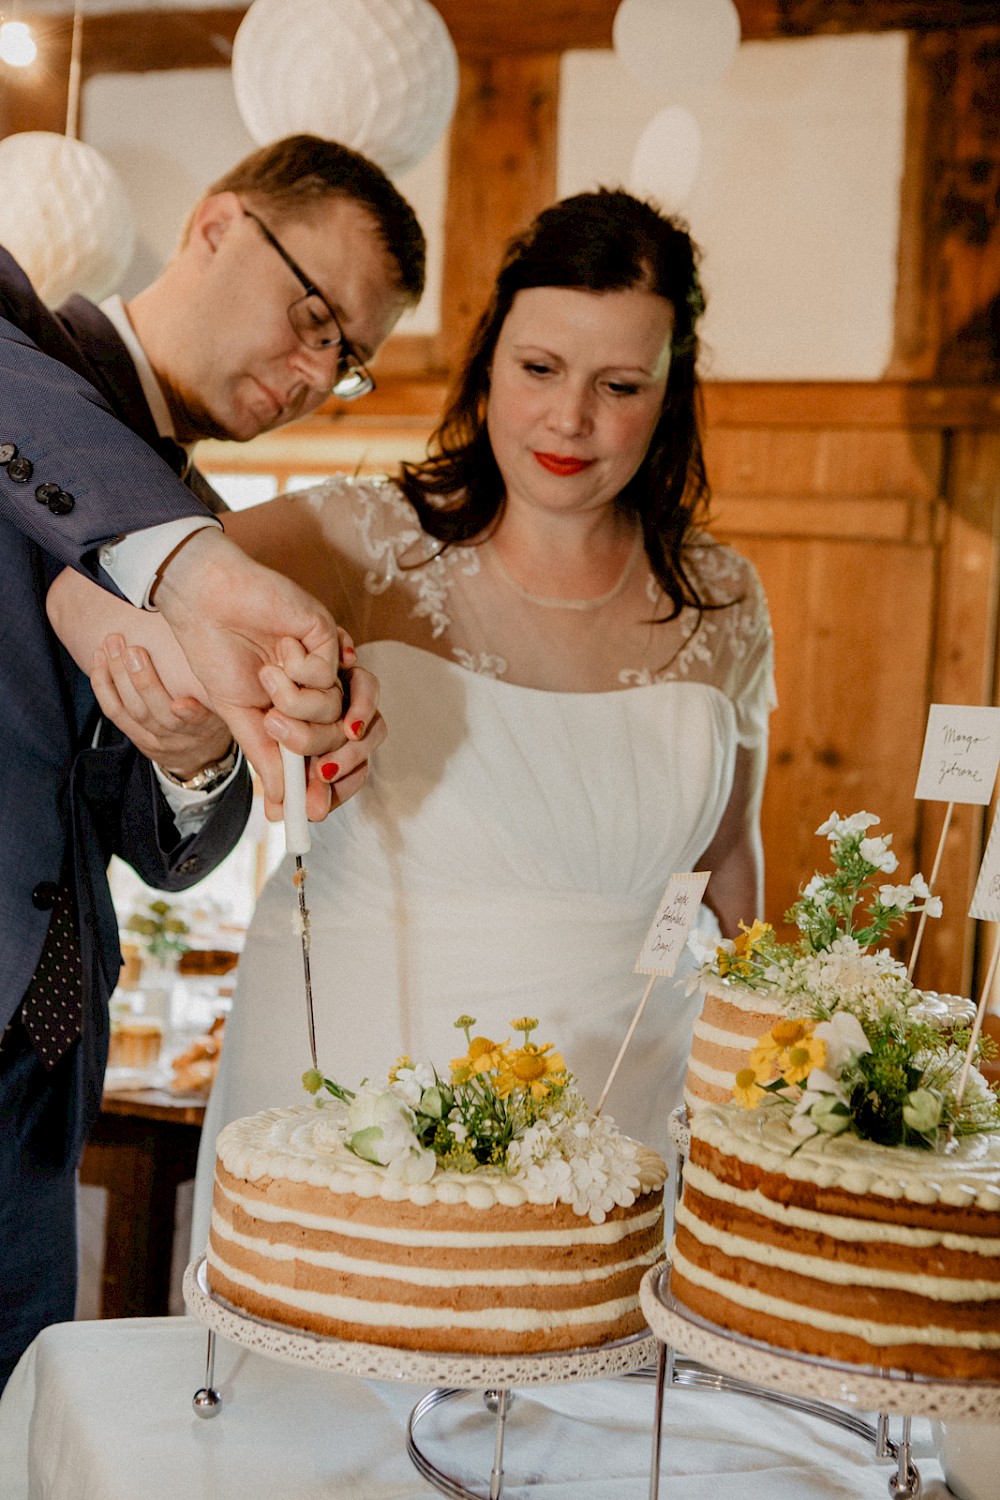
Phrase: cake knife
[298,842]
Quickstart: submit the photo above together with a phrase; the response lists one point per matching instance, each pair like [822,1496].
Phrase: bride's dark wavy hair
[606,241]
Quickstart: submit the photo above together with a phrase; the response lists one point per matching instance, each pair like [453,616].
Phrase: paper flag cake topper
[961,754]
[673,921]
[986,897]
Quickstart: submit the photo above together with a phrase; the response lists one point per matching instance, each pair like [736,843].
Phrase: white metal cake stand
[453,1375]
[802,1382]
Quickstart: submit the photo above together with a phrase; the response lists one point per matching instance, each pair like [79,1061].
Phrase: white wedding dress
[510,849]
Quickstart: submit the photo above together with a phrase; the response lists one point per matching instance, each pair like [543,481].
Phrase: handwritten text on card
[961,754]
[986,897]
[673,921]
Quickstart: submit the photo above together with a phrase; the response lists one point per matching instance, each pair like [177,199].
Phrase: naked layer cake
[483,1212]
[842,1248]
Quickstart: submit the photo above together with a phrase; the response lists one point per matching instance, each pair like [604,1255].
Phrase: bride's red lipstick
[556,464]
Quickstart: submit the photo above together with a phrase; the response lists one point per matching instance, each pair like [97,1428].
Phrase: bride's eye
[623,387]
[536,367]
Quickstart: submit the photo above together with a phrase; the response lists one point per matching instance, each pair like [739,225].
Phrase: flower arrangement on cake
[854,1049]
[512,1109]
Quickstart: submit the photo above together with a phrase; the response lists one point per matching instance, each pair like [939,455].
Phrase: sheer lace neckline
[548,601]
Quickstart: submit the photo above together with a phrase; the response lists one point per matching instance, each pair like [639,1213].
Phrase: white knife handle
[297,840]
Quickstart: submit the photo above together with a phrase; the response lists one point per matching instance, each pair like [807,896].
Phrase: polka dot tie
[52,1008]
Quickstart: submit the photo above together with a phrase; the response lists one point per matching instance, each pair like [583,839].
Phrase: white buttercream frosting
[306,1144]
[967,1177]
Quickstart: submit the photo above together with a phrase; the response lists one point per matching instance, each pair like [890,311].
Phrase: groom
[100,408]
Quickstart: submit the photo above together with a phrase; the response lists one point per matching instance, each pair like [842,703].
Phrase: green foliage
[163,934]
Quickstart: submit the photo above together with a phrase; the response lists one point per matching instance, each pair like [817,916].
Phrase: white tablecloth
[102,1411]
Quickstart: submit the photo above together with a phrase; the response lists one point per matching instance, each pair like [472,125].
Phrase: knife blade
[298,843]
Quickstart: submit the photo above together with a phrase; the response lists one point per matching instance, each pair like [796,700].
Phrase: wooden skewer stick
[977,1025]
[628,1037]
[932,883]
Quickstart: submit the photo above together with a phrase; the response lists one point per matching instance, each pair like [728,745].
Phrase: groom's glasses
[315,324]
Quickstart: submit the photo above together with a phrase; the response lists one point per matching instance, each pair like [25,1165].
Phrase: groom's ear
[213,218]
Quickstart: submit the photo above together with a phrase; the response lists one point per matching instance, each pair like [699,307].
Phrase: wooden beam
[948,290]
[502,171]
[140,41]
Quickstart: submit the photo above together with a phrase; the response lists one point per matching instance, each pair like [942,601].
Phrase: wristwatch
[209,777]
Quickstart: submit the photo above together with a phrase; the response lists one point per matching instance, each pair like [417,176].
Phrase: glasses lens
[313,324]
[352,382]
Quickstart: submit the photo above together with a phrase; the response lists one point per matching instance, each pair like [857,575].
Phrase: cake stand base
[452,1375]
[799,1380]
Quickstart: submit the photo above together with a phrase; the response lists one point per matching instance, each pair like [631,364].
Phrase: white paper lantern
[676,47]
[667,156]
[63,215]
[378,75]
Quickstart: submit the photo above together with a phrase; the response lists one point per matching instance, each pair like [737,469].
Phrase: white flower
[933,907]
[836,828]
[896,895]
[381,1131]
[922,1112]
[410,1083]
[702,950]
[877,852]
[814,889]
[458,1131]
[844,1037]
[920,887]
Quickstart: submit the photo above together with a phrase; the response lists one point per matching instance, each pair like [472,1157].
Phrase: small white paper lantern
[667,156]
[380,76]
[676,47]
[63,215]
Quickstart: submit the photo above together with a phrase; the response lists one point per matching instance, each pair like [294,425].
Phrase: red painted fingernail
[328,770]
[348,651]
[358,728]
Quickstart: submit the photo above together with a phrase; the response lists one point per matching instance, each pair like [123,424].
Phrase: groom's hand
[234,619]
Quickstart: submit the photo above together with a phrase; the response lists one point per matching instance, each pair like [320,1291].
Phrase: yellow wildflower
[797,1061]
[527,1024]
[764,1058]
[787,1032]
[401,1062]
[748,1091]
[749,937]
[483,1056]
[533,1068]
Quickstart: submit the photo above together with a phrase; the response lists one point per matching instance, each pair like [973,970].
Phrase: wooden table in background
[144,1145]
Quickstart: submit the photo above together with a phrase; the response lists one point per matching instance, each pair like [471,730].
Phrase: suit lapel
[111,370]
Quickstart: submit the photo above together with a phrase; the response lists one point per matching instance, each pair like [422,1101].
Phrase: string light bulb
[17,45]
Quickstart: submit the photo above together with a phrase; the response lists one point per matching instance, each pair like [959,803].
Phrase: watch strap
[209,777]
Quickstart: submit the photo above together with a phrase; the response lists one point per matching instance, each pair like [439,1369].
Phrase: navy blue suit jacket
[72,406]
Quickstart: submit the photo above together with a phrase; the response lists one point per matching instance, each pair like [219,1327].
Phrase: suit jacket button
[45,492]
[7,452]
[44,895]
[61,503]
[186,866]
[20,470]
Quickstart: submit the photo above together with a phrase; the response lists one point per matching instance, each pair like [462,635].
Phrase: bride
[576,681]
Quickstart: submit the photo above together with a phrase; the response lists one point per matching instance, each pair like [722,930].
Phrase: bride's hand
[338,752]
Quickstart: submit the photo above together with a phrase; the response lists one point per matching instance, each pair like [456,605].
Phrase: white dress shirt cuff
[191,809]
[133,562]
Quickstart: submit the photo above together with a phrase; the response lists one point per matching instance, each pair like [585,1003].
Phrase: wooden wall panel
[771,460]
[964,670]
[502,170]
[852,695]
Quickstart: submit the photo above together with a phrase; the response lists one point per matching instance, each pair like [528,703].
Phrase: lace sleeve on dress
[757,697]
[732,648]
